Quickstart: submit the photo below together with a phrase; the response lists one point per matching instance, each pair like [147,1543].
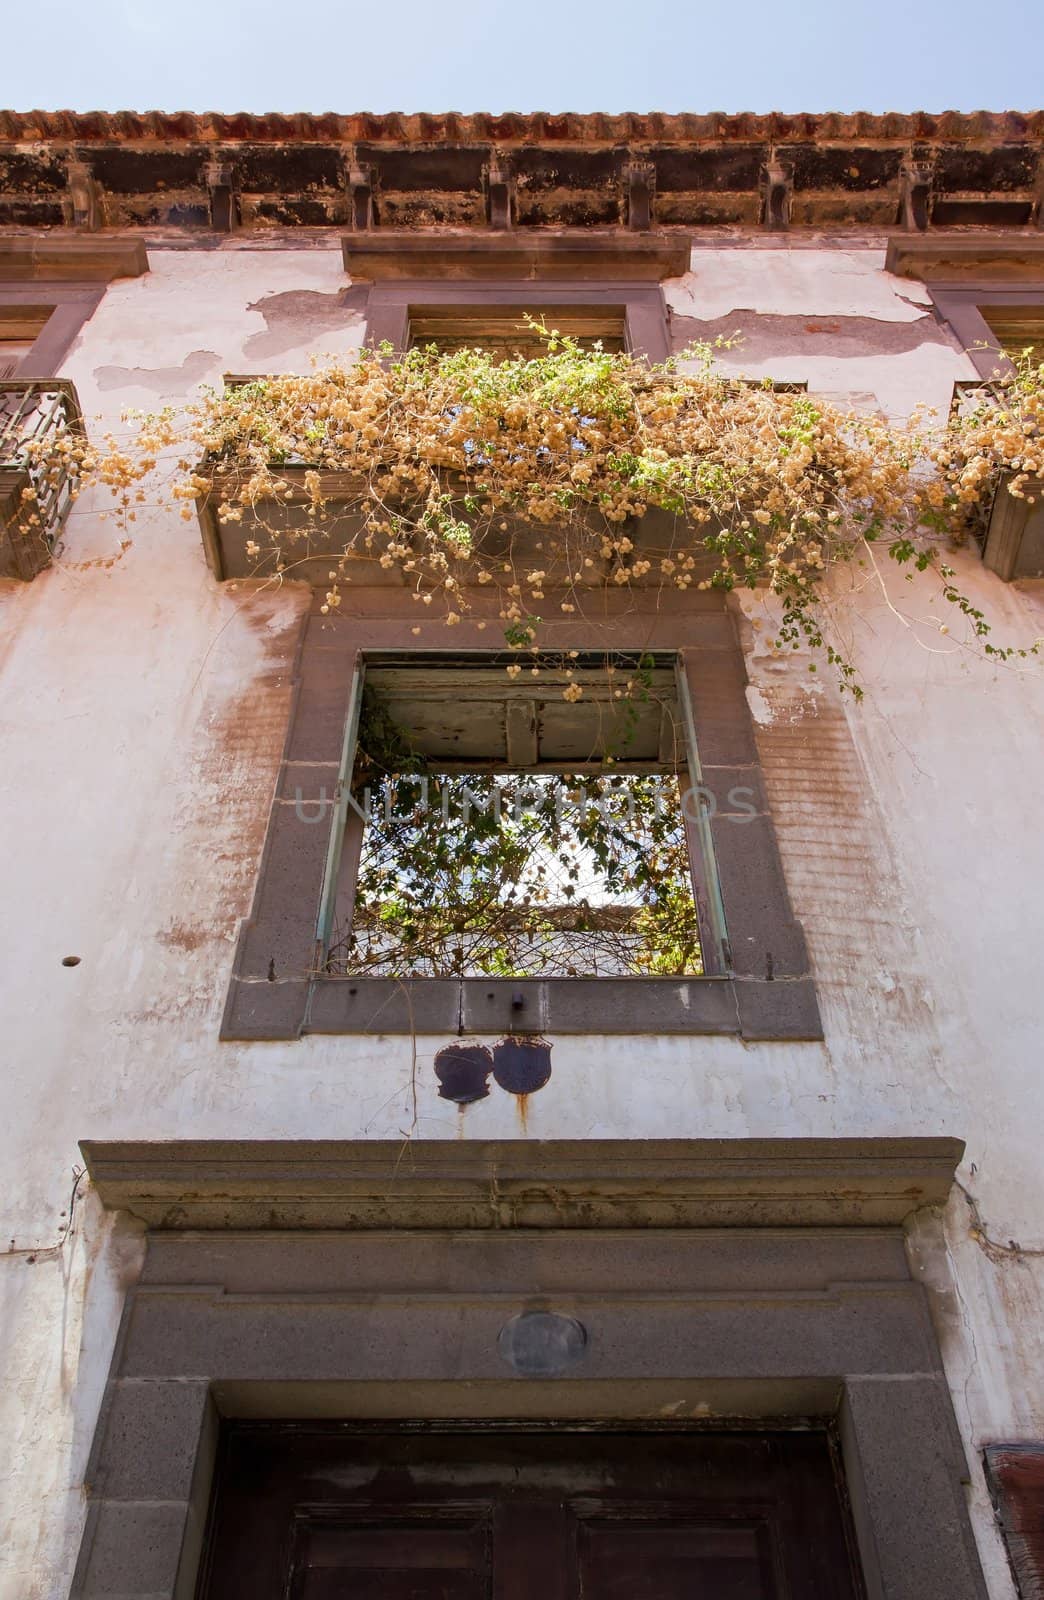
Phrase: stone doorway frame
[742,1279]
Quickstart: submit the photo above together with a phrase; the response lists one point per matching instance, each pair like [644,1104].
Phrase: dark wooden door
[337,1512]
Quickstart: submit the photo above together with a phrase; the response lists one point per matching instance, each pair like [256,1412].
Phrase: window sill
[747,1008]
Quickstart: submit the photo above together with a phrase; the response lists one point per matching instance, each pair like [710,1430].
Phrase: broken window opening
[510,820]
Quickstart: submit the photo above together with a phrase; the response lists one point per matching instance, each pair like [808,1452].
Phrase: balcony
[34,414]
[279,533]
[1009,528]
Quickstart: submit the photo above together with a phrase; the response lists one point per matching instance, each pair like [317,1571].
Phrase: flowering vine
[542,478]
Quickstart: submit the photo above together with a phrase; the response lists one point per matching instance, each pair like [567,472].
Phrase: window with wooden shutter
[1017,329]
[513,332]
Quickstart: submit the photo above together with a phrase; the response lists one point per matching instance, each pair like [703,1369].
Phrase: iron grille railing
[974,394]
[34,414]
[553,875]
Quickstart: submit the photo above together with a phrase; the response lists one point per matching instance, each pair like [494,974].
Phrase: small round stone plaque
[542,1344]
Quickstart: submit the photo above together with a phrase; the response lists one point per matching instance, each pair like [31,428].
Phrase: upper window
[471,843]
[509,331]
[34,499]
[996,323]
[12,353]
[1016,328]
[522,817]
[20,327]
[460,315]
[993,321]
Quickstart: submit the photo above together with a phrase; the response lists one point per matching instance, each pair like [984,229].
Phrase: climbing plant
[539,481]
[536,478]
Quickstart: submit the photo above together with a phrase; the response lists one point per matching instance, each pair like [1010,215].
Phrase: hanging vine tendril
[440,459]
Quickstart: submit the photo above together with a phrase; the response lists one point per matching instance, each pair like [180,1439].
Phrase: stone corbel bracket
[640,178]
[224,201]
[84,205]
[915,193]
[500,192]
[777,189]
[360,183]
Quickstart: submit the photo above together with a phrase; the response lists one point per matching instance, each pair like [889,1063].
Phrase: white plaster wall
[143,710]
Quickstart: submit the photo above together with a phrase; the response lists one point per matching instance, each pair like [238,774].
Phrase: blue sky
[550,55]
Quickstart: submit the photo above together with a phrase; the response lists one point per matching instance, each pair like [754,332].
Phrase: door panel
[391,1584]
[356,1512]
[408,1559]
[674,1562]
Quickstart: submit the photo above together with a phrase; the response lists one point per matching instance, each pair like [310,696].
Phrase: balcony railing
[1008,528]
[974,394]
[286,532]
[34,414]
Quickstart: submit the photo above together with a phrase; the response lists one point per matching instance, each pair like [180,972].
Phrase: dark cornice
[625,1183]
[216,173]
[934,258]
[603,255]
[95,258]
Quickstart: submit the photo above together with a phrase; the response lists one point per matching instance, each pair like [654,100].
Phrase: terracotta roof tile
[515,127]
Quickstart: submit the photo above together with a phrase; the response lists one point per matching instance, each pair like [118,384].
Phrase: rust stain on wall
[180,937]
[522,1109]
[842,877]
[222,806]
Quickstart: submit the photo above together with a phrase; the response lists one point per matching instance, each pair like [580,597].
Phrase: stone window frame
[340,1281]
[277,990]
[959,306]
[68,307]
[643,306]
[963,272]
[1009,528]
[66,277]
[59,310]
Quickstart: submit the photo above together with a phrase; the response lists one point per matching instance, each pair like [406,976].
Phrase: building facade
[320,1279]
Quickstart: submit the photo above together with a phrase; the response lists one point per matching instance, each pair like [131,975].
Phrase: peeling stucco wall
[854,331]
[144,710]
